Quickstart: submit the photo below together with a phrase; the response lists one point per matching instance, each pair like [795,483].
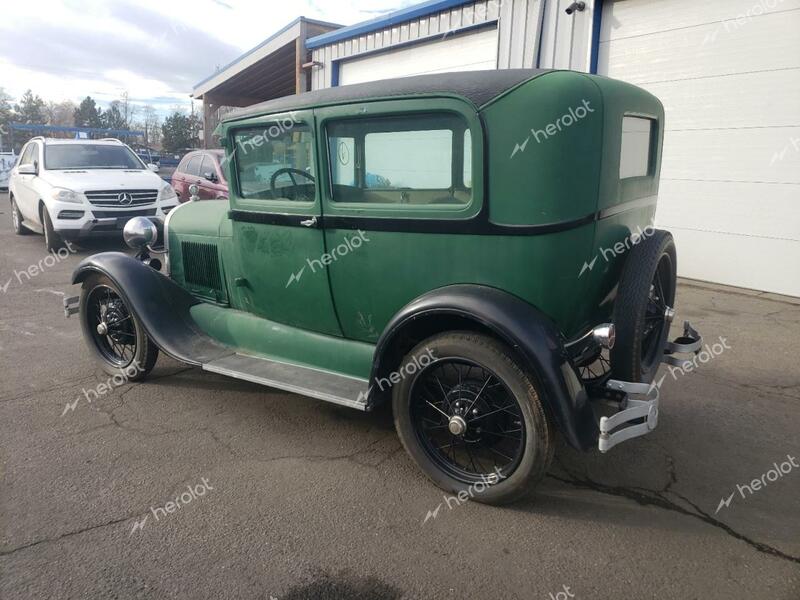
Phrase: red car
[203,168]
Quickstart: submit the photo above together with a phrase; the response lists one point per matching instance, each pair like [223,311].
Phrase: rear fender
[526,330]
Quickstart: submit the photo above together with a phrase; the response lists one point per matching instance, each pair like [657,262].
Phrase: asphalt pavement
[192,485]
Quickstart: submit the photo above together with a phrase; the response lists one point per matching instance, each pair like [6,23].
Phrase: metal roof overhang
[267,71]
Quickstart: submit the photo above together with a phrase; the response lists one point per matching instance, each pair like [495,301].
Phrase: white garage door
[468,52]
[728,73]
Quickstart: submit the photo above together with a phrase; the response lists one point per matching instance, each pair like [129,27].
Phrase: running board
[323,385]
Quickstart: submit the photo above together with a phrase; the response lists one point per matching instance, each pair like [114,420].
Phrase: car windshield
[89,156]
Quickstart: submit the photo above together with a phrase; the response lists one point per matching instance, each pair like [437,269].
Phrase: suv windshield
[89,156]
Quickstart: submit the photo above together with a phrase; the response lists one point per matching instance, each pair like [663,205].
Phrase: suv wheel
[16,219]
[471,418]
[52,240]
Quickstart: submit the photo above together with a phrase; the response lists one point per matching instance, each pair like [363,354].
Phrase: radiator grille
[121,198]
[201,265]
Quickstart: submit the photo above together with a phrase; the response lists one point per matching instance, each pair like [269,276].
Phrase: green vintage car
[475,249]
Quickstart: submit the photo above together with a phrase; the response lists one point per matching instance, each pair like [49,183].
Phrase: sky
[156,50]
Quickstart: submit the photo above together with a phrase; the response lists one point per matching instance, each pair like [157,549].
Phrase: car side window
[414,160]
[27,156]
[273,163]
[207,167]
[193,166]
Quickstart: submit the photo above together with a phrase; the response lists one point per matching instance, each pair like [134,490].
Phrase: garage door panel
[750,209]
[642,17]
[751,155]
[744,100]
[475,51]
[705,51]
[757,263]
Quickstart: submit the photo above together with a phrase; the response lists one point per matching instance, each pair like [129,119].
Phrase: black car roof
[478,87]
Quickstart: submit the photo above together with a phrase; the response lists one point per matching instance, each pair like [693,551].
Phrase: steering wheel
[290,172]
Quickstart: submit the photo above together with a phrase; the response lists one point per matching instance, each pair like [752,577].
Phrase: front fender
[521,326]
[160,305]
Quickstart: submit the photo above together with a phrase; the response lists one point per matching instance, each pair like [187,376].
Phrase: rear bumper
[638,403]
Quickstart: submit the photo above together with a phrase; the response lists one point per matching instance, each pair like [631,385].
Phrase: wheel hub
[102,328]
[457,425]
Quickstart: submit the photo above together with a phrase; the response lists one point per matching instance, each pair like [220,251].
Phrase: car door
[209,178]
[179,180]
[276,214]
[24,190]
[402,195]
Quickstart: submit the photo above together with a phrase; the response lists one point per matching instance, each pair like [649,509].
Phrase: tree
[6,116]
[31,109]
[112,117]
[126,109]
[87,114]
[61,113]
[180,131]
[151,124]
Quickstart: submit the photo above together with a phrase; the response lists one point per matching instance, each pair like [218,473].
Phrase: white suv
[74,189]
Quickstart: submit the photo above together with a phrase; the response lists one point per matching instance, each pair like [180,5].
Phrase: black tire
[16,219]
[536,443]
[646,290]
[52,240]
[134,364]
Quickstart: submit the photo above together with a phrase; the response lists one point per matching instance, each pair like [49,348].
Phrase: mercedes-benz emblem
[125,199]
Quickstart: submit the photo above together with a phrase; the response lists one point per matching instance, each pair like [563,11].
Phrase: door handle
[309,222]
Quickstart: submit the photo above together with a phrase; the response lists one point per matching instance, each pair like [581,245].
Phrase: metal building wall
[531,33]
[428,28]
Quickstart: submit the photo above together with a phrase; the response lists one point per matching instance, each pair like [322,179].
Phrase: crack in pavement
[64,535]
[657,498]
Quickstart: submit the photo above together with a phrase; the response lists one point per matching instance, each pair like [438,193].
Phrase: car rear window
[635,149]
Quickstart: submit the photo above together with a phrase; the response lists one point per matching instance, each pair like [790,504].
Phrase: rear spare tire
[643,308]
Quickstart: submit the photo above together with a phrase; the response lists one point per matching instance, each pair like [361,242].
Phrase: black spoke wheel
[471,417]
[467,420]
[643,309]
[112,330]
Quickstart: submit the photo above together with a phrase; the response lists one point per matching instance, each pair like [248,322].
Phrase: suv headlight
[65,195]
[167,193]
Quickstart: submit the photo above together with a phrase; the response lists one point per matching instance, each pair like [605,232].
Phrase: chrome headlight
[140,232]
[167,193]
[65,195]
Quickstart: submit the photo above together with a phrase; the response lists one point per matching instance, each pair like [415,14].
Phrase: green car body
[466,245]
[333,319]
